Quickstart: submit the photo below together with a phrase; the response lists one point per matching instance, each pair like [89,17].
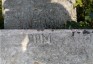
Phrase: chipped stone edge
[33,31]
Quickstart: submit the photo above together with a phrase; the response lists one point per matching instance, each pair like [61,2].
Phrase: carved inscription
[40,38]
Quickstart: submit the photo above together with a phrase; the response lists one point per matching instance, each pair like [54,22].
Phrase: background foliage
[1,17]
[84,15]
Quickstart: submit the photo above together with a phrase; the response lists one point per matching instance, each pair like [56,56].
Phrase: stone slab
[0,47]
[26,14]
[46,47]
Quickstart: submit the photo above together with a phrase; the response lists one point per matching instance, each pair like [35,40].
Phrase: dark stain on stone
[73,33]
[52,29]
[40,29]
[92,31]
[86,32]
[49,60]
[78,32]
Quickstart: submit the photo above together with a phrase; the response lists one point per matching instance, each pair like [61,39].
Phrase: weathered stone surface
[37,13]
[0,47]
[46,47]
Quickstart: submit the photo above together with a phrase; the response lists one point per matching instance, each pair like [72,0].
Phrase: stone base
[46,47]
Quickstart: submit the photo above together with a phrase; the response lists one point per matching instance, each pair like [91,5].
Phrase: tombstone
[33,14]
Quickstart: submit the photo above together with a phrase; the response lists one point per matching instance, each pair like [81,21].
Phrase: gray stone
[0,47]
[37,13]
[46,47]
